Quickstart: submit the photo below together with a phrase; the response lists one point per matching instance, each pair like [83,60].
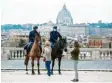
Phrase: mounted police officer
[54,35]
[32,35]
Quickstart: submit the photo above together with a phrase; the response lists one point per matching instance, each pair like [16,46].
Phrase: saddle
[28,47]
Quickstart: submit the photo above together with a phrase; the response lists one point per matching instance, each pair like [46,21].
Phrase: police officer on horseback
[32,35]
[54,35]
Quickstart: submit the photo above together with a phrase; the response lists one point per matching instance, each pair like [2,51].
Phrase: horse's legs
[53,60]
[59,64]
[38,64]
[32,62]
[26,63]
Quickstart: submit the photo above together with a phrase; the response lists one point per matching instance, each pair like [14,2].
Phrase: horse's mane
[35,50]
[60,41]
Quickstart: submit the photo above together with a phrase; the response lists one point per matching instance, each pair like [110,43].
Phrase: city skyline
[42,11]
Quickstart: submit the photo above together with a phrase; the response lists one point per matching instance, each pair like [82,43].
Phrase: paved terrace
[67,76]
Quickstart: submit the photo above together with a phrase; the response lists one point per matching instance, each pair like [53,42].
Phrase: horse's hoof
[26,72]
[39,74]
[33,73]
[59,73]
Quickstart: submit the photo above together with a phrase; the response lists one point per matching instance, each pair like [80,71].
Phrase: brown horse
[34,53]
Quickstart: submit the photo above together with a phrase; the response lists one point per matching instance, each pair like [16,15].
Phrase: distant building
[95,41]
[15,37]
[64,17]
[73,30]
[44,29]
[102,29]
[65,25]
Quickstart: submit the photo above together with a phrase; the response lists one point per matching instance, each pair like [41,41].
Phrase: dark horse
[34,53]
[57,52]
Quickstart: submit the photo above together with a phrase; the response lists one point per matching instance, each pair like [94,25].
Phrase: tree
[22,43]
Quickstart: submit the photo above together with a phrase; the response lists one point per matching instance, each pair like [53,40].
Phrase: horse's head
[37,38]
[62,44]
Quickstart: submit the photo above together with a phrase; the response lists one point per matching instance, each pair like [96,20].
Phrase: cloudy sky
[41,11]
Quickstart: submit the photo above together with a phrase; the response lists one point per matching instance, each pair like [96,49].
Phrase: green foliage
[22,43]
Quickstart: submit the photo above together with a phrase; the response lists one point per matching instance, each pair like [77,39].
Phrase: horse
[57,52]
[34,53]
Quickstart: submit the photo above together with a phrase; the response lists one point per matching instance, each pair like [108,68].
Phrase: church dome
[64,17]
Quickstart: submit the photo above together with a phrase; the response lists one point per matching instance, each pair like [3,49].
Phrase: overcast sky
[41,11]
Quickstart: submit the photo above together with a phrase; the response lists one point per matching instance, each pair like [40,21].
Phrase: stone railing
[10,53]
[92,53]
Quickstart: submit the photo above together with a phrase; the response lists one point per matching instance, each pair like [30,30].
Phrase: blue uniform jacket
[54,36]
[32,35]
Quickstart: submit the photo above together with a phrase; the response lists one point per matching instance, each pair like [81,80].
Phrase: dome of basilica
[64,17]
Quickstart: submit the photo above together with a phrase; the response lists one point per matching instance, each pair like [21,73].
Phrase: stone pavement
[67,76]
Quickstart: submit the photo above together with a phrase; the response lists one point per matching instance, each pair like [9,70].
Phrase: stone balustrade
[10,53]
[93,53]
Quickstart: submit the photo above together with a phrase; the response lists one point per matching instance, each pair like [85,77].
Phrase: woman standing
[75,56]
[47,56]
